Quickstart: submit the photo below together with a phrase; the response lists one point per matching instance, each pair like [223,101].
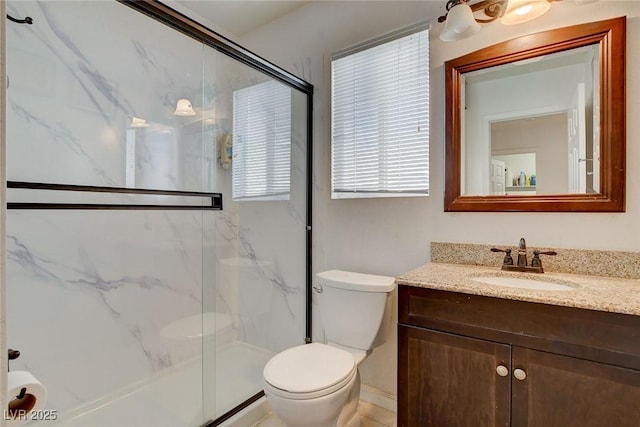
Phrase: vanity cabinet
[467,360]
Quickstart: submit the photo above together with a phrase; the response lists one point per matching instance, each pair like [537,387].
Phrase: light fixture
[137,122]
[460,22]
[519,11]
[184,108]
[463,17]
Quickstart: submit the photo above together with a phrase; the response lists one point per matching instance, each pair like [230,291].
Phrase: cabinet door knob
[519,374]
[502,370]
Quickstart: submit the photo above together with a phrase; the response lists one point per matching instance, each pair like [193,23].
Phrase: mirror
[538,123]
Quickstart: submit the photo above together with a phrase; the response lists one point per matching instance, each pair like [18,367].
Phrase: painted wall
[391,236]
[546,137]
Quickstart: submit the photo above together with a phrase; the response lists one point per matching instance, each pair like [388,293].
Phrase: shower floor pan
[175,397]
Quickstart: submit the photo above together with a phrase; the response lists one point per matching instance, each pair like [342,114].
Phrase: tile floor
[371,416]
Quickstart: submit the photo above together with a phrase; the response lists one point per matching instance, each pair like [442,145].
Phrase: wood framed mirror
[524,134]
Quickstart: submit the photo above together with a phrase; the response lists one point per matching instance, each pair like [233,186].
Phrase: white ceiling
[241,16]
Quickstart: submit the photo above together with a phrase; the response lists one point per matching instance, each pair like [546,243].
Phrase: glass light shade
[184,108]
[137,122]
[460,23]
[519,11]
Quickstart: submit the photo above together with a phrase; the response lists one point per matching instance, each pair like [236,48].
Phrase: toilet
[318,385]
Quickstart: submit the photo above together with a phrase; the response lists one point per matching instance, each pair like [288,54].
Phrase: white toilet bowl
[318,385]
[313,385]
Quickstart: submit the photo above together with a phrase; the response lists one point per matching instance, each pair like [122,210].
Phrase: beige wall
[545,136]
[591,231]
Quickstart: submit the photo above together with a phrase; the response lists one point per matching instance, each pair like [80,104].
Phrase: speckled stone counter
[613,294]
[573,261]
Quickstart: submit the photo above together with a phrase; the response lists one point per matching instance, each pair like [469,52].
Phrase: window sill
[375,195]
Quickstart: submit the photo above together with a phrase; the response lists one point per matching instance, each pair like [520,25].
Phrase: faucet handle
[537,252]
[508,260]
[536,261]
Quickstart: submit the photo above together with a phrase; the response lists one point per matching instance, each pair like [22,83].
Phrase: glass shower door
[105,304]
[259,128]
[144,304]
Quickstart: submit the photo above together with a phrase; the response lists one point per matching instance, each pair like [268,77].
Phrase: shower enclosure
[158,220]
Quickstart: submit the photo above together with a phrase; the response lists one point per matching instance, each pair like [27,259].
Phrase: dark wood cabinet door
[561,391]
[448,380]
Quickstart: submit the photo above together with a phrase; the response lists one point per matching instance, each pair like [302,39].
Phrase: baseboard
[378,397]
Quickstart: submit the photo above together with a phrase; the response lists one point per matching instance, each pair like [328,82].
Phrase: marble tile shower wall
[88,306]
[93,294]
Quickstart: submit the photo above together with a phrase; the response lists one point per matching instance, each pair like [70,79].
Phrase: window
[261,142]
[380,117]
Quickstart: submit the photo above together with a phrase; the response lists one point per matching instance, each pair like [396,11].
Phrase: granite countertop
[612,294]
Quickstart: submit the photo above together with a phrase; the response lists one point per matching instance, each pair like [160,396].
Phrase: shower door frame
[180,22]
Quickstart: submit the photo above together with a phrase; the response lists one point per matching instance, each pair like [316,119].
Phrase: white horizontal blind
[380,119]
[261,142]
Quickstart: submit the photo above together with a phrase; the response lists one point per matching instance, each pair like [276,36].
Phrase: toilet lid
[308,368]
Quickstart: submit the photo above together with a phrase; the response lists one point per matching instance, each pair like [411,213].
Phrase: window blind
[261,142]
[380,118]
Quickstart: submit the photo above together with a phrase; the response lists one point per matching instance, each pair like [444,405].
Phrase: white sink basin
[515,282]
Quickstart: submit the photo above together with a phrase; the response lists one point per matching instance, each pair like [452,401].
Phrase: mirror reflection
[531,127]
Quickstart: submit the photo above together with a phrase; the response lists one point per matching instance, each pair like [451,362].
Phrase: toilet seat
[309,371]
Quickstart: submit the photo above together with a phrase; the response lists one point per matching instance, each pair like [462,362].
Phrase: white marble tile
[92,304]
[70,98]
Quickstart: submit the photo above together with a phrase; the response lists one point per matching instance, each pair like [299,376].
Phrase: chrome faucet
[521,263]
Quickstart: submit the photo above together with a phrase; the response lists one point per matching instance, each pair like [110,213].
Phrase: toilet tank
[354,306]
